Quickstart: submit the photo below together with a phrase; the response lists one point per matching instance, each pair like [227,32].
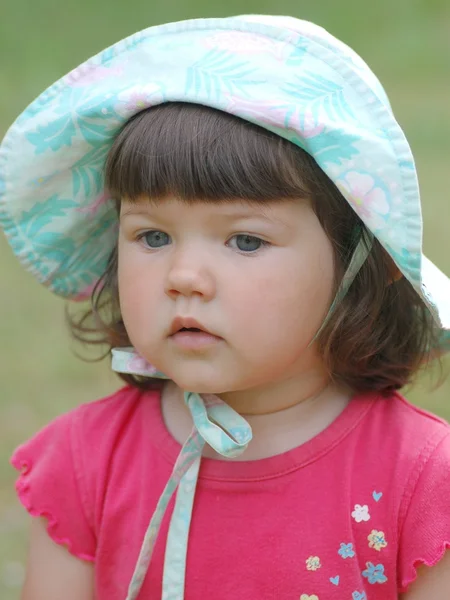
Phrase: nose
[189,275]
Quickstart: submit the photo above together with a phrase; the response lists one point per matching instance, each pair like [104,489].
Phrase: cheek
[289,305]
[136,292]
[291,292]
[128,283]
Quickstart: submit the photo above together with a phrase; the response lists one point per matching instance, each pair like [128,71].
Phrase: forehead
[225,209]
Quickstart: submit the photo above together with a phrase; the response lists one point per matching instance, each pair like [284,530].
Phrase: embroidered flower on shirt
[313,563]
[374,573]
[306,597]
[377,540]
[361,513]
[346,551]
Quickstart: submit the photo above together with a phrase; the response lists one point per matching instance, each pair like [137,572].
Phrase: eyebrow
[235,216]
[133,211]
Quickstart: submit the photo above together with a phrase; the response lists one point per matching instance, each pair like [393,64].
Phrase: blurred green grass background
[406,42]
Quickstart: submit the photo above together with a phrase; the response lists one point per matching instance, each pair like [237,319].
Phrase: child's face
[264,302]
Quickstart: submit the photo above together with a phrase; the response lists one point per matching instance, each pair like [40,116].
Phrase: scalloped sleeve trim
[426,531]
[411,574]
[24,488]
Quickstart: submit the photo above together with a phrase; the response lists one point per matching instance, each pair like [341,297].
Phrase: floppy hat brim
[435,291]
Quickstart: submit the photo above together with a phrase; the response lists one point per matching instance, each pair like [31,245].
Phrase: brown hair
[379,334]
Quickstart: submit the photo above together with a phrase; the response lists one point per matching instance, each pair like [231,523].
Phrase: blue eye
[248,243]
[155,239]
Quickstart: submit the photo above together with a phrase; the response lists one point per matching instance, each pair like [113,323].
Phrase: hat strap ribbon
[216,424]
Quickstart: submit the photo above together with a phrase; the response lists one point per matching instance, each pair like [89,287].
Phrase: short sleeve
[425,531]
[49,486]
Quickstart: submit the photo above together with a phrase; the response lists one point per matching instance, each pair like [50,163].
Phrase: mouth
[181,324]
[189,334]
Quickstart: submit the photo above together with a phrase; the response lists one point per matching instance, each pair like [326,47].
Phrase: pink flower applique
[368,200]
[286,116]
[94,207]
[139,98]
[89,74]
[85,292]
[310,127]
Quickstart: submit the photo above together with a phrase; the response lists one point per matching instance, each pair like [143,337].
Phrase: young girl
[241,206]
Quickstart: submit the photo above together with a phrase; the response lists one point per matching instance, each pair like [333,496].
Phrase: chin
[200,388]
[201,385]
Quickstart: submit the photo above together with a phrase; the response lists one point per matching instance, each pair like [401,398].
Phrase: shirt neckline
[265,468]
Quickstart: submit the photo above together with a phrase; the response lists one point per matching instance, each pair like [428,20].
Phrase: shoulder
[113,415]
[405,431]
[111,432]
[120,403]
[86,440]
[92,425]
[399,484]
[403,451]
[401,410]
[420,450]
[66,469]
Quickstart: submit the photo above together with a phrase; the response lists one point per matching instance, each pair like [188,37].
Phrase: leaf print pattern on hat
[361,513]
[323,96]
[217,68]
[313,563]
[377,540]
[245,44]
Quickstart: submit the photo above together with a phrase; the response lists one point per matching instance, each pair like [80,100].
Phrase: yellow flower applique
[313,563]
[377,540]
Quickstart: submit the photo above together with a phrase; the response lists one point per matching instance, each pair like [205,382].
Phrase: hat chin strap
[216,424]
[359,257]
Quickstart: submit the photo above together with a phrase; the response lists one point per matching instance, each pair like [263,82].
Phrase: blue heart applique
[376,495]
[335,580]
[359,596]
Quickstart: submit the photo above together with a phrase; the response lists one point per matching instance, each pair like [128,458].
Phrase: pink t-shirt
[346,516]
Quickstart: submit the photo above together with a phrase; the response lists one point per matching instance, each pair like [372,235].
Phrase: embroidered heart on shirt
[359,596]
[335,580]
[376,495]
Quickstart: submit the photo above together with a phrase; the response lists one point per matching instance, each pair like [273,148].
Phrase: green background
[406,42]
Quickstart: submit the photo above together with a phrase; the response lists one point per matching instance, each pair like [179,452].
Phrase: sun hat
[283,74]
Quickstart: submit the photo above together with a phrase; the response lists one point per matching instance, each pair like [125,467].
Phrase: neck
[278,396]
[279,423]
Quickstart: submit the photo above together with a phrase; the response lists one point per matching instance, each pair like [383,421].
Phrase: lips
[187,324]
[188,335]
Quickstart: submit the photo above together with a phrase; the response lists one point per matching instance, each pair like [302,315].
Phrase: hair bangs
[193,153]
